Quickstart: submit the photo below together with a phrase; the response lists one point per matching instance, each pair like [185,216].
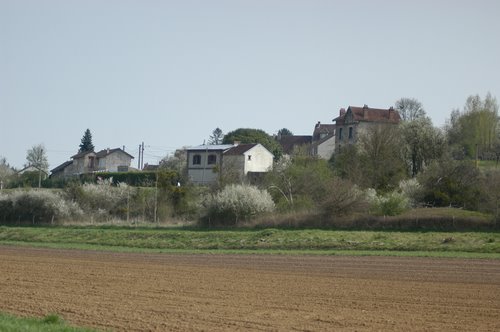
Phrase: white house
[206,163]
[353,122]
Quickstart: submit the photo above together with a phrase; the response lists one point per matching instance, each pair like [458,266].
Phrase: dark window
[249,157]
[350,132]
[340,133]
[212,159]
[196,159]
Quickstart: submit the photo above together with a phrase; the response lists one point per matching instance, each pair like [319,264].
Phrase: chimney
[342,111]
[365,107]
[107,151]
[123,148]
[235,143]
[318,124]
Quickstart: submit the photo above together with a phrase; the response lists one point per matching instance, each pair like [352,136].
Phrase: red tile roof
[288,143]
[368,114]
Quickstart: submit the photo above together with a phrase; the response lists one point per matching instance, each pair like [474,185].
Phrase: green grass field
[50,323]
[277,241]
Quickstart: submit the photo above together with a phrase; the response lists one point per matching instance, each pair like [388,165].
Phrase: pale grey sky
[169,72]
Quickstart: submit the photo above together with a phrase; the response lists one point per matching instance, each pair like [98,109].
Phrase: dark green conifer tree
[86,144]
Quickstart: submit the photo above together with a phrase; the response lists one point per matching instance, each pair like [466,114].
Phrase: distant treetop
[410,109]
[284,132]
[247,136]
[86,144]
[216,137]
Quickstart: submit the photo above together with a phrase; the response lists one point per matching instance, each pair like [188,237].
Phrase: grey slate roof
[62,166]
[208,147]
[239,149]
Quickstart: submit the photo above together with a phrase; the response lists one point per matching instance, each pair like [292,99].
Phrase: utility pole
[156,198]
[142,158]
[139,159]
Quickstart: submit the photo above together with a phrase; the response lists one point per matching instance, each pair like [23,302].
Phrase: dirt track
[210,292]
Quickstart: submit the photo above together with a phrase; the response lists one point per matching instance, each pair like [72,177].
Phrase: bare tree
[216,137]
[176,162]
[5,172]
[423,143]
[37,157]
[410,109]
[381,157]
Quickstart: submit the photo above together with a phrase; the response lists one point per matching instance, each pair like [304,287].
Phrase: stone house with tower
[354,121]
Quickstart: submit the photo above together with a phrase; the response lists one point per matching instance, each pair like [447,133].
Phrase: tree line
[389,170]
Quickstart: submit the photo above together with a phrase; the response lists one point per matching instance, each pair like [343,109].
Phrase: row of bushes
[306,189]
[136,179]
[89,202]
[36,207]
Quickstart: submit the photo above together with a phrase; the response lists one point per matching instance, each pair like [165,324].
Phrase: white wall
[203,173]
[326,149]
[261,160]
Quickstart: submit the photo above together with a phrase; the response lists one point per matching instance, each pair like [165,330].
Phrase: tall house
[351,123]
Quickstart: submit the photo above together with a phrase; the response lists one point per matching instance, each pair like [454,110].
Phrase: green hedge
[135,179]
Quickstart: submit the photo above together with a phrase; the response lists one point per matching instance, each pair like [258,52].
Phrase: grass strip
[49,323]
[430,254]
[297,241]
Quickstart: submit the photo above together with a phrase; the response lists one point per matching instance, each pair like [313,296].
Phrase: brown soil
[160,292]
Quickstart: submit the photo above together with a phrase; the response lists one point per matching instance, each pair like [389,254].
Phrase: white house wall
[112,161]
[203,176]
[203,173]
[261,160]
[326,149]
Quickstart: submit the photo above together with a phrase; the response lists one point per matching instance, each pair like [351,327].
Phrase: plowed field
[163,292]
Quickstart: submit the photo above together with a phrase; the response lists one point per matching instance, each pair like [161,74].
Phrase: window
[340,133]
[212,159]
[196,159]
[350,132]
[249,157]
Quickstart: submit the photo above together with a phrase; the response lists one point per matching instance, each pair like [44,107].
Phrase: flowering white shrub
[37,206]
[390,204]
[412,190]
[237,202]
[104,196]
